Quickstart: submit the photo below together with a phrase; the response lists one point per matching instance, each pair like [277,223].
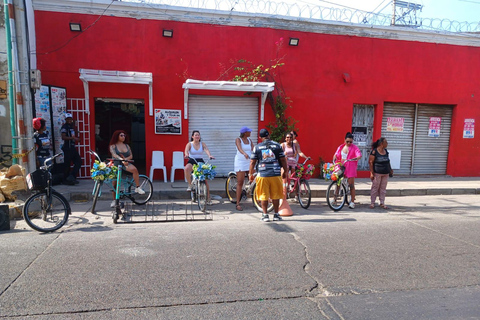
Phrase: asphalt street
[418,260]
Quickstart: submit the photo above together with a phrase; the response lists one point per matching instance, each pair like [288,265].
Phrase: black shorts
[192,162]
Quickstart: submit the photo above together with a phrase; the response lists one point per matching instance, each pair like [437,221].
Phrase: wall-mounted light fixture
[77,27]
[293,42]
[168,33]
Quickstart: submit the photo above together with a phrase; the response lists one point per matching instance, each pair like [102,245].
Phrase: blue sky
[459,10]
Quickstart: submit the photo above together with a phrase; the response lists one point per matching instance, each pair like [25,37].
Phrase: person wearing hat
[242,159]
[41,140]
[70,154]
[271,160]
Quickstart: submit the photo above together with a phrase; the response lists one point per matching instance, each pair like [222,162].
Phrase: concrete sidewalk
[397,186]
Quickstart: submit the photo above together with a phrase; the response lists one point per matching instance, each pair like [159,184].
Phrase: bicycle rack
[171,211]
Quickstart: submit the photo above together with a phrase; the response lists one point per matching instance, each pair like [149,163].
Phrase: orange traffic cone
[285,209]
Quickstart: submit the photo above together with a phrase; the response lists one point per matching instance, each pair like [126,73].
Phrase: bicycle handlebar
[209,158]
[113,159]
[46,166]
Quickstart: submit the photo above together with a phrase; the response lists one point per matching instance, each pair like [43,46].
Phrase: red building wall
[381,70]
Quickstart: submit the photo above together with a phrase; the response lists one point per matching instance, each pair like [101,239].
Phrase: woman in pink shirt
[349,151]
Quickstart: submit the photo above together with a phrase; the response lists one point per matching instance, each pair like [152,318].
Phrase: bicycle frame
[119,187]
[196,192]
[44,195]
[340,184]
[293,178]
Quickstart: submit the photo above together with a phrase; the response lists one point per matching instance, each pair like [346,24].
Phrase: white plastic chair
[177,163]
[158,163]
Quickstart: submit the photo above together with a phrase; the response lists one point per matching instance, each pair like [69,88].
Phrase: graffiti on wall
[5,154]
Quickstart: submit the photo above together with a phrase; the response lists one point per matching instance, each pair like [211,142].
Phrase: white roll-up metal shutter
[219,120]
[400,140]
[430,153]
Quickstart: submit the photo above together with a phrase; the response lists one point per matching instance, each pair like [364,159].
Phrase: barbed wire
[310,11]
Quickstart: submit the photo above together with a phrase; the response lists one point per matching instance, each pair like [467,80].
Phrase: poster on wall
[360,136]
[469,128]
[434,127]
[168,121]
[42,107]
[395,124]
[58,98]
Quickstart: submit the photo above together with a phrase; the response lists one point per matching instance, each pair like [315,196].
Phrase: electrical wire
[86,29]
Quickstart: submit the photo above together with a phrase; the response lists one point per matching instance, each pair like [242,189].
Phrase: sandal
[372,206]
[239,207]
[384,206]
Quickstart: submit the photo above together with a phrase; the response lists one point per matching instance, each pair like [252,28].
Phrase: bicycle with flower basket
[201,172]
[298,186]
[108,172]
[338,191]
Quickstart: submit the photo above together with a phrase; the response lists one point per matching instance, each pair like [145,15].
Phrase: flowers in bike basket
[333,171]
[103,171]
[204,171]
[304,172]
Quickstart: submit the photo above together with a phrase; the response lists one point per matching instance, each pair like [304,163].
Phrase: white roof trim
[238,86]
[229,85]
[89,75]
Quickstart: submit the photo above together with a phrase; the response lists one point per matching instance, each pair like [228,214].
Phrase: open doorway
[121,114]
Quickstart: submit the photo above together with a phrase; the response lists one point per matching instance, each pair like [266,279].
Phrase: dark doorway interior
[127,115]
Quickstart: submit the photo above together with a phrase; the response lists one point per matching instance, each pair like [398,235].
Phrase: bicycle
[198,191]
[338,191]
[299,187]
[123,187]
[248,189]
[46,210]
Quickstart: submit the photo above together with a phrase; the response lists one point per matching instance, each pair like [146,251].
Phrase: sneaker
[189,188]
[351,205]
[112,205]
[139,190]
[265,218]
[276,217]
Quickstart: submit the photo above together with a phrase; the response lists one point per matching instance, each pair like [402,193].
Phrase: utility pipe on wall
[16,71]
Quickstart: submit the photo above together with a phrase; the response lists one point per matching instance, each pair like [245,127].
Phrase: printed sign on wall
[469,128]
[168,121]
[395,124]
[360,136]
[434,127]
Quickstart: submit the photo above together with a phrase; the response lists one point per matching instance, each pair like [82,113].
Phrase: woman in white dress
[242,160]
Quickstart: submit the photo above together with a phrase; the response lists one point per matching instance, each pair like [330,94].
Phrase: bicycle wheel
[202,195]
[45,217]
[231,188]
[257,203]
[304,193]
[96,193]
[336,196]
[145,184]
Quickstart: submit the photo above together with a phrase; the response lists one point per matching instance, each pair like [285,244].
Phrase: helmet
[37,123]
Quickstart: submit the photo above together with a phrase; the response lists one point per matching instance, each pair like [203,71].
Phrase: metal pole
[10,81]
[26,91]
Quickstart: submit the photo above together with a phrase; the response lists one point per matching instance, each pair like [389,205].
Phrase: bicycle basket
[304,172]
[339,171]
[37,180]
